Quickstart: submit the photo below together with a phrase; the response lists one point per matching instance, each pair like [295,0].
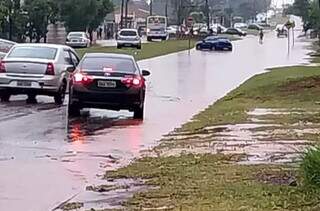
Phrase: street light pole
[121,18]
[126,15]
[208,14]
[151,5]
[166,9]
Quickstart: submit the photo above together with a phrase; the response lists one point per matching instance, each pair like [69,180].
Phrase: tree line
[309,11]
[30,18]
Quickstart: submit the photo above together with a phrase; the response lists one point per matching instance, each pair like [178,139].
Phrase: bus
[157,28]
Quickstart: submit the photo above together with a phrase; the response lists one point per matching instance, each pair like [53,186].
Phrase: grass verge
[149,50]
[216,182]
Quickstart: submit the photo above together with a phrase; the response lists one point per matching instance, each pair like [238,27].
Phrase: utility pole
[10,19]
[151,5]
[208,14]
[126,15]
[166,9]
[121,18]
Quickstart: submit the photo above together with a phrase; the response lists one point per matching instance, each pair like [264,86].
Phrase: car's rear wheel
[119,46]
[138,113]
[59,97]
[139,47]
[5,97]
[198,47]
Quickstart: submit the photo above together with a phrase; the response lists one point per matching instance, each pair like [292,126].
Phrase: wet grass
[215,182]
[283,88]
[149,50]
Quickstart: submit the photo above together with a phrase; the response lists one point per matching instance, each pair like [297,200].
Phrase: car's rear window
[5,46]
[75,35]
[128,33]
[123,65]
[33,52]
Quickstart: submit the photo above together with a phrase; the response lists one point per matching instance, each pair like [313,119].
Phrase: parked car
[218,28]
[255,26]
[240,25]
[172,30]
[235,31]
[128,38]
[36,69]
[78,39]
[214,43]
[5,46]
[108,81]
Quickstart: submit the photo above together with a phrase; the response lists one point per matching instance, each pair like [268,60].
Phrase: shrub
[310,167]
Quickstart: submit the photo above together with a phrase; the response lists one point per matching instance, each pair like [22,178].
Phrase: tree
[302,8]
[84,15]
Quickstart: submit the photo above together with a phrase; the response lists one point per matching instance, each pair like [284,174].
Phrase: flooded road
[46,158]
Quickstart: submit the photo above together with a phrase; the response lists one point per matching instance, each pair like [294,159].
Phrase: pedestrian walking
[261,35]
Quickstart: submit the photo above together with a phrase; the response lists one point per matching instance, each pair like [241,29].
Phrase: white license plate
[107,84]
[74,40]
[24,83]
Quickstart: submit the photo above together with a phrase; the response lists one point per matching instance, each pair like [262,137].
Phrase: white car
[128,38]
[78,39]
[172,29]
[240,25]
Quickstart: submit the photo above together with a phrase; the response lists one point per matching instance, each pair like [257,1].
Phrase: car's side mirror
[71,69]
[145,73]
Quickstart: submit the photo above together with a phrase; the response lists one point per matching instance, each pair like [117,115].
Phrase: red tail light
[132,81]
[2,67]
[80,78]
[50,69]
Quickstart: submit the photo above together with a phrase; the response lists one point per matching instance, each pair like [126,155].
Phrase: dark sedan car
[235,31]
[214,43]
[108,81]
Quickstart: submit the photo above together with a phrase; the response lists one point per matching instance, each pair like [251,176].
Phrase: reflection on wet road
[48,158]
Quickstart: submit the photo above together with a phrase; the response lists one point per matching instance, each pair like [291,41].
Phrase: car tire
[138,113]
[149,39]
[59,97]
[5,97]
[139,47]
[198,47]
[119,46]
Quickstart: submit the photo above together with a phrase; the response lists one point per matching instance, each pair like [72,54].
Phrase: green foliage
[310,167]
[82,15]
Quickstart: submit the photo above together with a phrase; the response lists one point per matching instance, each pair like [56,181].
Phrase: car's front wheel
[119,46]
[198,47]
[139,46]
[138,113]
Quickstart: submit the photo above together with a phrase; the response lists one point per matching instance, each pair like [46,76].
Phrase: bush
[310,167]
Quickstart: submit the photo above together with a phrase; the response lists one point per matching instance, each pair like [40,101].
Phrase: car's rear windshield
[5,46]
[128,33]
[123,65]
[33,52]
[75,35]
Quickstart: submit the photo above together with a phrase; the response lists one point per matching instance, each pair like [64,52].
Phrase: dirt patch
[280,177]
[72,206]
[307,83]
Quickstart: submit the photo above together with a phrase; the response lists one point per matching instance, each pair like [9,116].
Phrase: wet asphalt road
[44,162]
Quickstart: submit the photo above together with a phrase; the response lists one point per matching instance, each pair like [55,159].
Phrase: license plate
[107,84]
[74,40]
[24,83]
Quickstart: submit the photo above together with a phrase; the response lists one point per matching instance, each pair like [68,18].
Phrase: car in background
[216,28]
[281,31]
[235,31]
[36,69]
[214,43]
[172,30]
[255,26]
[240,25]
[128,38]
[108,81]
[5,46]
[78,39]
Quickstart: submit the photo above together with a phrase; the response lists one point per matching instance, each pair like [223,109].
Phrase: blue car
[214,43]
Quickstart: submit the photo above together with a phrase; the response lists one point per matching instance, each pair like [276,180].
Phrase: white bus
[157,28]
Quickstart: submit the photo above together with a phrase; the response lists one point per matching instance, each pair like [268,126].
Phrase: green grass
[214,182]
[292,87]
[310,167]
[149,50]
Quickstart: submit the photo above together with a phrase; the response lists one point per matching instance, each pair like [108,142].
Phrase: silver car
[78,39]
[128,38]
[36,69]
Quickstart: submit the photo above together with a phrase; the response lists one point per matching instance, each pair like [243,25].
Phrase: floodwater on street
[46,158]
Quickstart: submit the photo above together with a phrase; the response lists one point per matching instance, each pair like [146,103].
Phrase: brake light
[2,67]
[50,69]
[80,78]
[132,81]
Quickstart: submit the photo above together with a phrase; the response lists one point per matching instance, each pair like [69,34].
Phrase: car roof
[42,45]
[108,55]
[7,41]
